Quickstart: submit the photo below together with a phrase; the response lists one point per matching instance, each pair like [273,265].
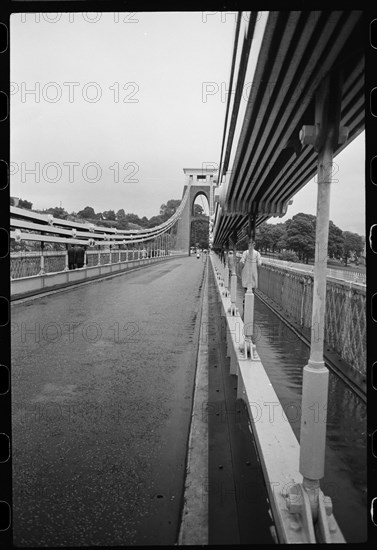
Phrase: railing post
[66,267]
[304,283]
[325,135]
[42,264]
[99,255]
[233,279]
[119,252]
[226,272]
[110,259]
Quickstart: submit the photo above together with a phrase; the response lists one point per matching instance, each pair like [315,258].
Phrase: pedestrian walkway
[237,496]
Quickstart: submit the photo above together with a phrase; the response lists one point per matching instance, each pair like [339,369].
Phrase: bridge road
[102,384]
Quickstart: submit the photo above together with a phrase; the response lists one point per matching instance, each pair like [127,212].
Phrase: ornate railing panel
[53,264]
[345,322]
[24,266]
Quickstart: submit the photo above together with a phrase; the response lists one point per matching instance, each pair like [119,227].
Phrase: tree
[87,212]
[263,239]
[120,215]
[301,235]
[198,211]
[353,245]
[155,220]
[168,209]
[22,204]
[57,212]
[123,223]
[200,233]
[336,241]
[109,215]
[133,218]
[278,233]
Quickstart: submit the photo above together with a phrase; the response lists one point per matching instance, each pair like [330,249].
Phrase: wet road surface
[102,384]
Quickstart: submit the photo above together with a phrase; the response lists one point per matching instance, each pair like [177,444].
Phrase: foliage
[200,233]
[263,239]
[270,237]
[279,234]
[336,241]
[301,235]
[353,246]
[109,215]
[168,209]
[21,203]
[87,213]
[198,211]
[120,215]
[57,212]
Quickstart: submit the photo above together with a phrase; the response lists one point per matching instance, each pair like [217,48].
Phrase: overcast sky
[119,109]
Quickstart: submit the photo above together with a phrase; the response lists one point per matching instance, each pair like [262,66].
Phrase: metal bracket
[315,515]
[249,349]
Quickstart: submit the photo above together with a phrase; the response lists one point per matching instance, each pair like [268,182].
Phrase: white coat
[255,262]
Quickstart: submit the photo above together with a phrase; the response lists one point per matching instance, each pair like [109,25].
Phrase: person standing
[71,257]
[254,260]
[79,256]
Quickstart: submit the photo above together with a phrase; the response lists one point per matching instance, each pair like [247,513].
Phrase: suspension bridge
[150,405]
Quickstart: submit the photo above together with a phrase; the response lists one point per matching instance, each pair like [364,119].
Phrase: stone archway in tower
[199,224]
[200,182]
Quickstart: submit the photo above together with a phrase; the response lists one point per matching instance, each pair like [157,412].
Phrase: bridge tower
[200,181]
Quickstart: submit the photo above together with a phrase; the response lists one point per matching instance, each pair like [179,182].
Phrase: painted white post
[66,267]
[119,251]
[226,273]
[42,261]
[99,255]
[110,254]
[233,282]
[323,136]
[316,375]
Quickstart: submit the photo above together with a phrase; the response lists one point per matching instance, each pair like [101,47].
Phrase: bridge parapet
[99,265]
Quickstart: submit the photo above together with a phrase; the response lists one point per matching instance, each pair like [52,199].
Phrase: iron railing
[345,320]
